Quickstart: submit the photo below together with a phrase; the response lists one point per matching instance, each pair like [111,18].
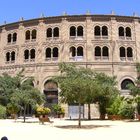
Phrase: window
[125,84]
[104,31]
[26,54]
[97,51]
[79,51]
[122,52]
[32,53]
[72,31]
[49,32]
[48,53]
[13,56]
[121,31]
[72,51]
[105,51]
[55,52]
[128,32]
[129,52]
[56,32]
[8,56]
[34,32]
[97,31]
[9,39]
[27,35]
[79,31]
[14,37]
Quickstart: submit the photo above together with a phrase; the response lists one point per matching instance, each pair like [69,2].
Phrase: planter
[138,116]
[114,117]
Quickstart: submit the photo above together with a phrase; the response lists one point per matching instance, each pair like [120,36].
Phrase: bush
[58,110]
[12,108]
[126,110]
[2,112]
[42,110]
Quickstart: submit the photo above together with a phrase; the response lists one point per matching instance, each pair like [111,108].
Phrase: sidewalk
[66,130]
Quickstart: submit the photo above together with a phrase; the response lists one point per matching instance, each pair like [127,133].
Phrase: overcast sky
[12,10]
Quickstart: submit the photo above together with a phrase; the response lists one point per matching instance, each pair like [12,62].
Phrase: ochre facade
[104,43]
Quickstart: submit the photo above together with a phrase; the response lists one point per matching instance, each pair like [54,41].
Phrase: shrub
[126,110]
[2,112]
[58,110]
[42,110]
[12,108]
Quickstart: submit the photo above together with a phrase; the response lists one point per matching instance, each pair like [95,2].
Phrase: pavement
[62,129]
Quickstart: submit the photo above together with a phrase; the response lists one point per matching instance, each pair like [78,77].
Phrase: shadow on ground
[82,127]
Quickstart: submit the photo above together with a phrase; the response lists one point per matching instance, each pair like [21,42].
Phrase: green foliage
[42,110]
[126,110]
[137,100]
[115,106]
[58,109]
[12,108]
[2,112]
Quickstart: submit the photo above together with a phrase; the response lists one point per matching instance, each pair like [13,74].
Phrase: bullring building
[104,43]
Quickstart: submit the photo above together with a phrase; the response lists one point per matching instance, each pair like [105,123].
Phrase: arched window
[79,31]
[105,51]
[56,32]
[9,39]
[79,51]
[129,52]
[72,31]
[128,32]
[121,31]
[104,31]
[49,32]
[14,37]
[97,51]
[32,53]
[8,56]
[97,31]
[27,35]
[13,56]
[125,84]
[34,32]
[48,53]
[26,54]
[122,52]
[55,52]
[72,52]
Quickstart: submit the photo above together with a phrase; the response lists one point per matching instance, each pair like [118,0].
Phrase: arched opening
[97,31]
[7,56]
[26,54]
[125,84]
[97,52]
[72,31]
[9,39]
[105,53]
[32,54]
[14,37]
[128,32]
[34,32]
[27,35]
[51,93]
[122,53]
[104,31]
[79,51]
[129,53]
[79,31]
[72,52]
[13,56]
[49,32]
[121,31]
[48,53]
[56,32]
[55,52]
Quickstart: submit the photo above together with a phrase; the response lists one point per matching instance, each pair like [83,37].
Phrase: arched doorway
[51,93]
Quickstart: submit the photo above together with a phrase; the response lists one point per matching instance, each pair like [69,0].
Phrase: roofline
[69,16]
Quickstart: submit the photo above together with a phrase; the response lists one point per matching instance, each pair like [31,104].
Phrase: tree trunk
[24,117]
[89,114]
[79,120]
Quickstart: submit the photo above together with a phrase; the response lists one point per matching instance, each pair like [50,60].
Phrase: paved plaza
[66,130]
